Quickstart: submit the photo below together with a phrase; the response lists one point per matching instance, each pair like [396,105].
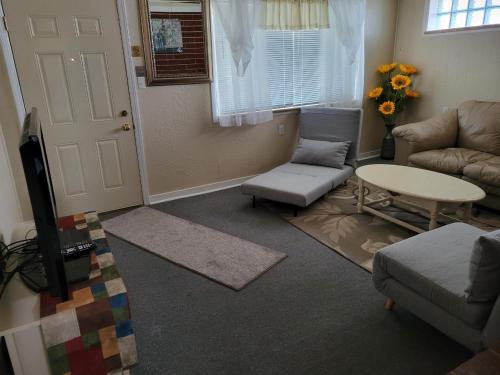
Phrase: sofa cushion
[484,272]
[479,126]
[297,184]
[448,160]
[323,153]
[485,171]
[435,265]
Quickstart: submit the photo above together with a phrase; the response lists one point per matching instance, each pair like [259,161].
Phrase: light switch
[141,82]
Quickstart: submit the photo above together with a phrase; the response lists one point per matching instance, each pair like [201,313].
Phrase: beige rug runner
[221,257]
[334,221]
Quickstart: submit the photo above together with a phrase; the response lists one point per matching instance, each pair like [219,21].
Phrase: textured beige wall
[10,213]
[455,66]
[184,149]
[379,49]
[12,132]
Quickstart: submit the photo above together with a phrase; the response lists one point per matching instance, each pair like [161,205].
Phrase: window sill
[279,111]
[293,109]
[462,30]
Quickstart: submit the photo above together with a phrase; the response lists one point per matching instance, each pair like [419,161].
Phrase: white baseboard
[222,185]
[369,154]
[197,190]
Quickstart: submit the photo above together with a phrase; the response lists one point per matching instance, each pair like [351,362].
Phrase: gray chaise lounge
[302,184]
[428,275]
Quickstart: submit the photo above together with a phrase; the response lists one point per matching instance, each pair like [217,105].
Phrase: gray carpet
[314,313]
[221,257]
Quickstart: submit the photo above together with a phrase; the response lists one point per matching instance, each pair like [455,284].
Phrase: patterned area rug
[334,221]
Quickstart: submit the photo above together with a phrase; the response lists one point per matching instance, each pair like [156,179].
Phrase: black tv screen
[41,192]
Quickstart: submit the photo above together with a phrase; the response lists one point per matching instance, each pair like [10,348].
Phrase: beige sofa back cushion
[479,126]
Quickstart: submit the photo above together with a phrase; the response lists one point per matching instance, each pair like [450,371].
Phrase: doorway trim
[121,6]
[132,85]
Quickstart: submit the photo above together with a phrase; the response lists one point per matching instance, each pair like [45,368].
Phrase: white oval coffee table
[430,190]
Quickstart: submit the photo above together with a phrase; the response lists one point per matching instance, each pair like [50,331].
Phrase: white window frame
[461,30]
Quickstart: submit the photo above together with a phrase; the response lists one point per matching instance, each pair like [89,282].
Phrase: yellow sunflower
[386,68]
[387,108]
[407,69]
[375,93]
[412,94]
[400,81]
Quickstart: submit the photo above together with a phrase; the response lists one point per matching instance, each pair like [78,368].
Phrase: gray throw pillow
[484,271]
[324,153]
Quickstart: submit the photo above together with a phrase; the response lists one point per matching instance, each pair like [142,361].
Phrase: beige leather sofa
[463,142]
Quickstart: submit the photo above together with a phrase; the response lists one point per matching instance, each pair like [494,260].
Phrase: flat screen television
[41,192]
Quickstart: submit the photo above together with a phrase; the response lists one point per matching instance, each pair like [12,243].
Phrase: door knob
[126,127]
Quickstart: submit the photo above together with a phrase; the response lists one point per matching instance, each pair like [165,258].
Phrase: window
[292,63]
[258,69]
[460,14]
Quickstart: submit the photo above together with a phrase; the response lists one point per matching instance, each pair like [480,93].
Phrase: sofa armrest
[440,131]
[491,332]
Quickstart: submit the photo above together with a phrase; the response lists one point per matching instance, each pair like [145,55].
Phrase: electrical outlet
[445,109]
[281,129]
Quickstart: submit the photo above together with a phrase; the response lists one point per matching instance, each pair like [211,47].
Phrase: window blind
[293,68]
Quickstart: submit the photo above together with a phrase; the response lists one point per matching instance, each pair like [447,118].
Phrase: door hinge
[5,25]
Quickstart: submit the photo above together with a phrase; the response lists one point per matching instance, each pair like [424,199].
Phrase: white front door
[70,62]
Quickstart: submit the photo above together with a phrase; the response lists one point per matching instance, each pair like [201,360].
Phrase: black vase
[388,147]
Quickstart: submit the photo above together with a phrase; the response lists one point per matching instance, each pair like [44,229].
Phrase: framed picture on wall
[176,46]
[167,35]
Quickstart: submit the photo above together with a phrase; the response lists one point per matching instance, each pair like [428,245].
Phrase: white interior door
[70,62]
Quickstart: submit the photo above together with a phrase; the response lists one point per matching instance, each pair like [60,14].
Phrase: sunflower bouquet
[391,96]
[395,90]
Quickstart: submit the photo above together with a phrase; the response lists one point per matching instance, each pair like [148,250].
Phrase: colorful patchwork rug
[334,221]
[91,333]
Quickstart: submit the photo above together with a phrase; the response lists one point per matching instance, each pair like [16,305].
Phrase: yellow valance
[294,14]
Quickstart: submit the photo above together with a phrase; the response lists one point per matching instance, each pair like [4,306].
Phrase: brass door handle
[126,127]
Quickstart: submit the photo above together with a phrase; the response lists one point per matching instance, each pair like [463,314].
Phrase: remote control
[77,249]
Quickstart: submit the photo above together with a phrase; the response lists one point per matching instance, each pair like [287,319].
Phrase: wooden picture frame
[175,55]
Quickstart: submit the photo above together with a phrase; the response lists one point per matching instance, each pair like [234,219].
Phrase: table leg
[434,211]
[467,215]
[361,195]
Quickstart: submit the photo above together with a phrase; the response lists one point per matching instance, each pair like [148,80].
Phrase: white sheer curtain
[240,90]
[256,70]
[342,68]
[349,22]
